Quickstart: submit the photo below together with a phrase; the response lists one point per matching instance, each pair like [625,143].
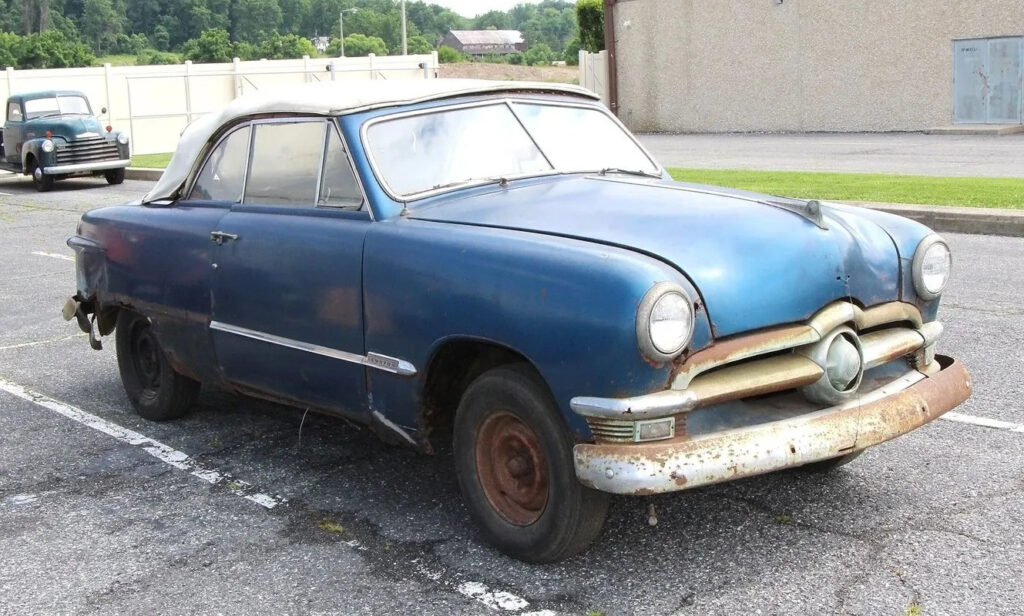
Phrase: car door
[287,293]
[13,133]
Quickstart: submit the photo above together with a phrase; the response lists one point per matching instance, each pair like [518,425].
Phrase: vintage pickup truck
[501,267]
[54,134]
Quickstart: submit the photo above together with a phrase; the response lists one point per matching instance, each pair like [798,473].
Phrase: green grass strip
[151,161]
[877,187]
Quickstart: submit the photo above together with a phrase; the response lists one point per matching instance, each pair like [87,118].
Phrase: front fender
[34,148]
[568,306]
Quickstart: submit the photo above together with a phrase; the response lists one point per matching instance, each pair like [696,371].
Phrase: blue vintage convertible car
[502,267]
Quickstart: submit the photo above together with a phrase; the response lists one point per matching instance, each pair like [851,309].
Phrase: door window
[223,175]
[339,187]
[286,159]
[13,112]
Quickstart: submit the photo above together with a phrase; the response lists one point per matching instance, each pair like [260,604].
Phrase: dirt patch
[511,72]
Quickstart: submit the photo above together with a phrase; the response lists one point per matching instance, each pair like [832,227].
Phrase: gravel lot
[96,519]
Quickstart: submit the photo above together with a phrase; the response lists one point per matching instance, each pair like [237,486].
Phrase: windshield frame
[508,102]
[59,112]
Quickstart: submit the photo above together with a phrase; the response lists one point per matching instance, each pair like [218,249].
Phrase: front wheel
[43,182]
[514,462]
[157,392]
[115,176]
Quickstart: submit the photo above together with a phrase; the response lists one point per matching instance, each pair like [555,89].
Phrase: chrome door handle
[219,237]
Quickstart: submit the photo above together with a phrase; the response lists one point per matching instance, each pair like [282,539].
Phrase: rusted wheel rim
[512,470]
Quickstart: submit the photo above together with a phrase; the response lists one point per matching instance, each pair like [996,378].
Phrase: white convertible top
[329,98]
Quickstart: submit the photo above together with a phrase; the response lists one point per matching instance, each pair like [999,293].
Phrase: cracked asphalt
[927,524]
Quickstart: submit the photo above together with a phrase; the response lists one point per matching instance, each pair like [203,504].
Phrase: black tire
[42,182]
[157,392]
[571,516]
[825,466]
[114,176]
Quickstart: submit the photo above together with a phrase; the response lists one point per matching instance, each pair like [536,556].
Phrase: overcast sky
[472,8]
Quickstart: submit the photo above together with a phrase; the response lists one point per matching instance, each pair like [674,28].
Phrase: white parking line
[158,450]
[53,254]
[983,422]
[494,599]
[38,342]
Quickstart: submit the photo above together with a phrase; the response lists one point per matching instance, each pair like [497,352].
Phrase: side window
[14,112]
[285,163]
[338,187]
[223,175]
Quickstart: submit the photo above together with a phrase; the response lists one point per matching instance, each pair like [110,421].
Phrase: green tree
[572,51]
[590,17]
[211,46]
[419,44]
[285,46]
[538,54]
[449,55]
[253,20]
[362,45]
[101,24]
[9,45]
[51,49]
[496,20]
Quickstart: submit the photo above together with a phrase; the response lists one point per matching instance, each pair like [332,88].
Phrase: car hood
[755,264]
[68,128]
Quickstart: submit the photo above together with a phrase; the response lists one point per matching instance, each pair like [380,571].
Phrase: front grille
[611,429]
[88,150]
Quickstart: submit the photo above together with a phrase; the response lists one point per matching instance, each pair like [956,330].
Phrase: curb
[141,173]
[950,219]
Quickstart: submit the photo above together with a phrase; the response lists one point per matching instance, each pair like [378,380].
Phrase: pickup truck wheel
[514,463]
[157,392]
[824,466]
[42,181]
[115,176]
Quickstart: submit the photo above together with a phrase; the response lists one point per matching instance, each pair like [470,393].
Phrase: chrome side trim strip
[371,360]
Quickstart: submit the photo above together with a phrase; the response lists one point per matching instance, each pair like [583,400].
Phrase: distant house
[483,42]
[321,43]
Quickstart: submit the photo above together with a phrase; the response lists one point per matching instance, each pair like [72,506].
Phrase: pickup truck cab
[54,134]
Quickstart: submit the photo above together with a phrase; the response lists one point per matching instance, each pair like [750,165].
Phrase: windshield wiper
[473,182]
[646,174]
[48,115]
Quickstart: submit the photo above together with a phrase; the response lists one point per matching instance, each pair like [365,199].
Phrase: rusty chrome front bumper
[687,462]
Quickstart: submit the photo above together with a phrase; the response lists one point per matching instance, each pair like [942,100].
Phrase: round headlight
[664,322]
[47,146]
[122,138]
[932,265]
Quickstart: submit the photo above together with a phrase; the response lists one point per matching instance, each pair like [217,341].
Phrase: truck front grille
[88,150]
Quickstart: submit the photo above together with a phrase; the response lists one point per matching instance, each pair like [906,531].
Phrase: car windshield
[416,154]
[56,105]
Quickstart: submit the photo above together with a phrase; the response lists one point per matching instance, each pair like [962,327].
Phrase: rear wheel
[157,392]
[42,181]
[513,459]
[114,176]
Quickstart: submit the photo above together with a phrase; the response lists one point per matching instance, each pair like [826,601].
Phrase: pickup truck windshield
[57,105]
[417,154]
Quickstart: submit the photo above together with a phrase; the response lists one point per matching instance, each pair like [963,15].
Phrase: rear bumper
[664,466]
[103,165]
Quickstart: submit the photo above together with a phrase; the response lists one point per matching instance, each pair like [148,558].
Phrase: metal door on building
[988,79]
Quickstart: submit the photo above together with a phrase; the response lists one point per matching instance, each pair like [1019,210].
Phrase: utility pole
[341,30]
[405,43]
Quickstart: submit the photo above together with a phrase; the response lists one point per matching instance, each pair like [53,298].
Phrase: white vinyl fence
[594,73]
[154,103]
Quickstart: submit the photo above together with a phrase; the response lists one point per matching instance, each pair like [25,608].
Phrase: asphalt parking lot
[242,507]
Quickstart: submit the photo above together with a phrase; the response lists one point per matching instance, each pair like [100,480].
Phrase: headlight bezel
[917,271]
[645,311]
[122,138]
[47,146]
